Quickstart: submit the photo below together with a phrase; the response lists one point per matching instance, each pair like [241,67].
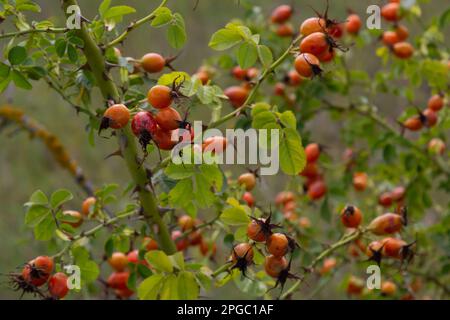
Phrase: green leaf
[4,71]
[118,11]
[163,16]
[177,76]
[35,214]
[59,197]
[264,120]
[235,216]
[159,260]
[265,55]
[213,174]
[176,33]
[17,55]
[169,290]
[260,107]
[104,6]
[4,84]
[28,6]
[72,53]
[150,287]
[202,191]
[60,46]
[292,154]
[181,194]
[38,197]
[20,81]
[179,172]
[89,269]
[247,55]
[224,39]
[45,228]
[204,280]
[444,19]
[109,247]
[178,260]
[288,119]
[188,288]
[389,153]
[325,212]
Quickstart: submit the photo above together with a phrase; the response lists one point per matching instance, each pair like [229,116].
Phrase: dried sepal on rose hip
[144,127]
[279,268]
[116,116]
[34,274]
[242,257]
[351,216]
[320,23]
[307,65]
[160,96]
[398,249]
[260,229]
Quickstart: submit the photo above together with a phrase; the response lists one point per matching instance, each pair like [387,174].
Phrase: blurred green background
[25,165]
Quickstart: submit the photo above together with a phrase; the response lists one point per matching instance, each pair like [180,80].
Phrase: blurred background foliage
[26,165]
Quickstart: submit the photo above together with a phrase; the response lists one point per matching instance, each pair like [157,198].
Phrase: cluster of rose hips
[318,44]
[161,126]
[38,272]
[395,39]
[356,285]
[190,235]
[121,263]
[278,245]
[147,126]
[286,201]
[396,195]
[315,185]
[248,181]
[280,18]
[385,225]
[428,117]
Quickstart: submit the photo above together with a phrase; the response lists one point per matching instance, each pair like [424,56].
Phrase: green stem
[254,90]
[135,25]
[441,165]
[93,231]
[223,268]
[126,139]
[25,32]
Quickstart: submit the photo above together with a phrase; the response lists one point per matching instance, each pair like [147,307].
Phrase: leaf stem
[135,25]
[93,231]
[441,165]
[30,31]
[261,79]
